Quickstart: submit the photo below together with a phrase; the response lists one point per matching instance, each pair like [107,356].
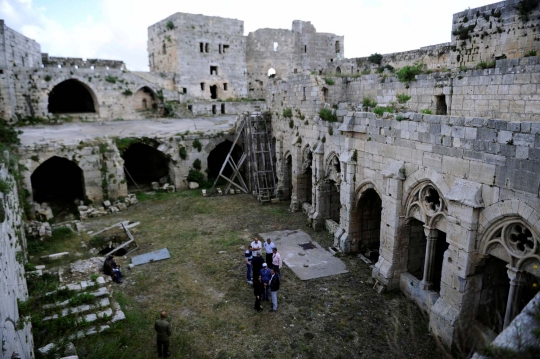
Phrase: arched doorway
[144,99]
[368,225]
[144,164]
[71,96]
[58,182]
[338,70]
[213,93]
[217,157]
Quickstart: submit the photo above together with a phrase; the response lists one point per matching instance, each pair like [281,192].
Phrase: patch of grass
[531,53]
[380,110]
[197,144]
[329,81]
[287,113]
[111,79]
[427,111]
[369,102]
[486,65]
[327,115]
[62,240]
[402,98]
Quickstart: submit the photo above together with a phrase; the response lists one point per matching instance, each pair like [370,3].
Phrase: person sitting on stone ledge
[111,268]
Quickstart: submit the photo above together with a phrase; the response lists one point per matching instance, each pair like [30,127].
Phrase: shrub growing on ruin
[197,164]
[287,112]
[369,102]
[530,53]
[182,153]
[111,79]
[197,144]
[9,136]
[375,58]
[387,67]
[327,115]
[48,78]
[408,73]
[380,110]
[402,98]
[486,65]
[427,111]
[195,176]
[169,25]
[462,32]
[127,92]
[291,124]
[329,81]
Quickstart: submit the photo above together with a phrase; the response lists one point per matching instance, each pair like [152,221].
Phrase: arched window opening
[338,70]
[164,49]
[417,249]
[60,183]
[368,225]
[217,157]
[271,73]
[71,96]
[144,164]
[144,99]
[304,179]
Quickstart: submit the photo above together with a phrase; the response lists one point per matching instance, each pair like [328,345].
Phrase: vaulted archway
[58,182]
[71,96]
[145,164]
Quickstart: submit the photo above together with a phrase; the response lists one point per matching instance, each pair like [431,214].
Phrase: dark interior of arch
[369,211]
[57,180]
[145,164]
[217,156]
[70,96]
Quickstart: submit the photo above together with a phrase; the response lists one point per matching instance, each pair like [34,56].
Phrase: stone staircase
[104,310]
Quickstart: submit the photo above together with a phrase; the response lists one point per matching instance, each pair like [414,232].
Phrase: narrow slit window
[206,47]
[201,47]
[202,86]
[222,108]
[214,109]
[225,87]
[305,48]
[276,46]
[220,48]
[184,90]
[225,48]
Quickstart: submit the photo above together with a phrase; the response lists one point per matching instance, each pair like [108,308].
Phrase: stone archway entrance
[144,100]
[58,182]
[71,96]
[144,164]
[368,224]
[217,157]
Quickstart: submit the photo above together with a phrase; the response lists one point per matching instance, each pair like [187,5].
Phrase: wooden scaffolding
[256,132]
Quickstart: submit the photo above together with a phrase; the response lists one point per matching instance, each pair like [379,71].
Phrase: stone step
[103,303]
[99,293]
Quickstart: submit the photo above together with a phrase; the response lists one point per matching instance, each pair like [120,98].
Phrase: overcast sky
[117,29]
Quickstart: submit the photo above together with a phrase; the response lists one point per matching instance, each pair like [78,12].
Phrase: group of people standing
[266,275]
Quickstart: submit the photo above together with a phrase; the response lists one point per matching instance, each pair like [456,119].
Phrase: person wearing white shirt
[268,247]
[256,247]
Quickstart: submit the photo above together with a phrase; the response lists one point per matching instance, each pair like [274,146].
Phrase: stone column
[319,205]
[431,236]
[517,281]
[297,180]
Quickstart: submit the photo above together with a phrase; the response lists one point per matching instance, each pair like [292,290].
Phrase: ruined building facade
[446,204]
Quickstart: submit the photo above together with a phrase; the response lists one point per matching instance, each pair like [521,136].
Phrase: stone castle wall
[15,333]
[189,45]
[288,52]
[506,92]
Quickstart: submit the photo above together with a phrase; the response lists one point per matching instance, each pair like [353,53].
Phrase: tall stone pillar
[298,180]
[320,189]
[517,282]
[431,236]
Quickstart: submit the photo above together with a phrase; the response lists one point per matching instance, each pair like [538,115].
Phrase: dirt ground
[210,305]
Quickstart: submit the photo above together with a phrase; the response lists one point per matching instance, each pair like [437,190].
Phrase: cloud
[119,30]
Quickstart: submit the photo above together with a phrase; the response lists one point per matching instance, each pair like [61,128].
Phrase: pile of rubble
[38,230]
[165,187]
[117,206]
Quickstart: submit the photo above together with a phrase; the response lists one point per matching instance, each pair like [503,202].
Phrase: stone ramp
[305,263]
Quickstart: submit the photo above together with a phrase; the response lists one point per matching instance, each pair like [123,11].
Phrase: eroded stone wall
[15,333]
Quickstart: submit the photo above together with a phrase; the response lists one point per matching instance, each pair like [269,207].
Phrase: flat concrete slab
[154,256]
[305,263]
[72,133]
